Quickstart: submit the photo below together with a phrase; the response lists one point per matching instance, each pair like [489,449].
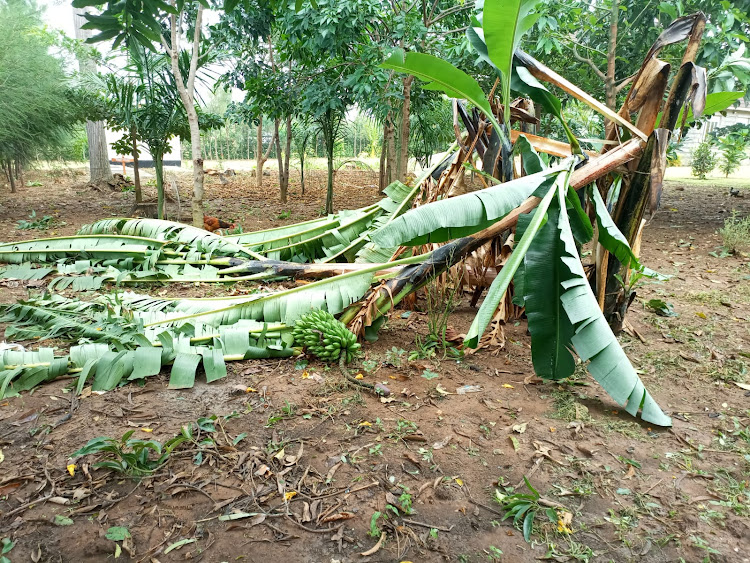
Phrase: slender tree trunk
[136,168]
[390,166]
[302,168]
[609,81]
[99,167]
[261,157]
[187,95]
[403,165]
[11,179]
[248,143]
[287,153]
[19,172]
[383,157]
[329,188]
[280,159]
[159,170]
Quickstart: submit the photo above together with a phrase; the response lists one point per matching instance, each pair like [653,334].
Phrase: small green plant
[33,184]
[700,543]
[661,307]
[284,215]
[704,160]
[374,528]
[735,233]
[523,508]
[7,545]
[395,356]
[130,456]
[441,297]
[32,223]
[494,553]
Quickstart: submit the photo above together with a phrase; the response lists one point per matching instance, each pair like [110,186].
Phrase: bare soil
[311,460]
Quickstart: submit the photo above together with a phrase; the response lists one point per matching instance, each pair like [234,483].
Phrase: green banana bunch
[326,337]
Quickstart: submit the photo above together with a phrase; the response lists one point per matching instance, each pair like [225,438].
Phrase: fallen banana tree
[367,261]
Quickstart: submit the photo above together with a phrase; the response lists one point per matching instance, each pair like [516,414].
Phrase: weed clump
[735,234]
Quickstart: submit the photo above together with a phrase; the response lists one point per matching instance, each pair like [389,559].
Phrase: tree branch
[625,82]
[450,11]
[196,51]
[589,62]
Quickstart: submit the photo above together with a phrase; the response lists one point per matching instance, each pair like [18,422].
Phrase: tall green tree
[165,26]
[36,102]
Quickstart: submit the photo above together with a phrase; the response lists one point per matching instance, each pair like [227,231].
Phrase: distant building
[173,158]
[739,113]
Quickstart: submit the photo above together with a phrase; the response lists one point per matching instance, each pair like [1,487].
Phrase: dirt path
[297,466]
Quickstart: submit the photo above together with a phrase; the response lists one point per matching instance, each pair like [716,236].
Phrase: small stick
[424,525]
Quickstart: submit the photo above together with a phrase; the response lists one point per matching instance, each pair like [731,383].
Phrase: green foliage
[32,223]
[37,109]
[130,456]
[735,234]
[704,160]
[733,151]
[7,545]
[522,508]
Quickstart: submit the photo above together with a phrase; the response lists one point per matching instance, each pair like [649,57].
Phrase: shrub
[732,153]
[704,160]
[736,233]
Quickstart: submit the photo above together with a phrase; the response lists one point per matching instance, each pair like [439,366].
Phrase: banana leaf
[462,215]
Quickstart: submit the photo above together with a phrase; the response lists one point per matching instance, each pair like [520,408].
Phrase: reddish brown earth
[635,492]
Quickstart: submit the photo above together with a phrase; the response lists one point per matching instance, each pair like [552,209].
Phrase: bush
[704,160]
[732,153]
[736,233]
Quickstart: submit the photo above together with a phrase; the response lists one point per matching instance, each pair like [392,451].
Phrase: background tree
[704,160]
[155,25]
[37,109]
[99,165]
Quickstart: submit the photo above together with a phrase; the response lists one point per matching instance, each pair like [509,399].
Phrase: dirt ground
[298,466]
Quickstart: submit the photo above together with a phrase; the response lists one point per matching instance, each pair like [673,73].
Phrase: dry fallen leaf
[520,428]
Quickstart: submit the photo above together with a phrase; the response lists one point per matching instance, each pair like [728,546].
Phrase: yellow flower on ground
[290,495]
[359,376]
[71,469]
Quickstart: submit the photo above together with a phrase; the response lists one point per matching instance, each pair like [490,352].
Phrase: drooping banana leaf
[462,215]
[594,341]
[541,287]
[500,284]
[443,76]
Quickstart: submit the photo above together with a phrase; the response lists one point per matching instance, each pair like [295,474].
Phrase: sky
[58,14]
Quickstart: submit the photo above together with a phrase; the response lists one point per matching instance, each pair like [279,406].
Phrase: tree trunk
[159,170]
[136,168]
[390,161]
[19,172]
[99,167]
[383,156]
[280,159]
[609,81]
[187,95]
[11,179]
[287,153]
[403,165]
[329,188]
[261,157]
